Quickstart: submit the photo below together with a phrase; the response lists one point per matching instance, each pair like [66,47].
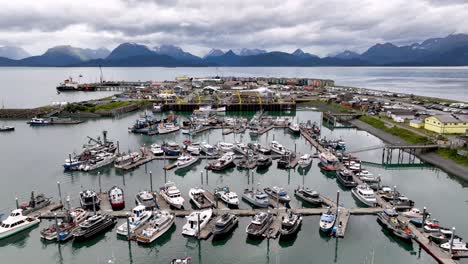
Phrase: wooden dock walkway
[311,140]
[265,129]
[343,219]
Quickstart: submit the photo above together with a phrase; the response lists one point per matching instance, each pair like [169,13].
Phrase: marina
[152,171]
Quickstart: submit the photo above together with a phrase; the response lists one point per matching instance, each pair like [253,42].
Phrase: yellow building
[447,124]
[416,123]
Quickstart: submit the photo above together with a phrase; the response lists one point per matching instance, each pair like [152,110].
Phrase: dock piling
[59,191]
[68,203]
[337,201]
[94,206]
[17,204]
[424,215]
[451,240]
[99,179]
[198,226]
[151,181]
[201,177]
[56,226]
[128,226]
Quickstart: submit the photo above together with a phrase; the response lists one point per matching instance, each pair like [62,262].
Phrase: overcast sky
[316,26]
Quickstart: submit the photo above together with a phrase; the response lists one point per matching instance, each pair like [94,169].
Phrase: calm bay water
[31,159]
[32,87]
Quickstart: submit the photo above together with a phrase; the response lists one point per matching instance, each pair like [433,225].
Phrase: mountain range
[448,51]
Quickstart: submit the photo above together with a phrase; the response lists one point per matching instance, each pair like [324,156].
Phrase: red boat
[116,198]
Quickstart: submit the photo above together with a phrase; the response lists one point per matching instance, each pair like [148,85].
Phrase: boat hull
[19,229]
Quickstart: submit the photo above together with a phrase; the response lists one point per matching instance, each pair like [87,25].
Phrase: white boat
[226,147]
[327,221]
[241,148]
[196,221]
[221,109]
[365,195]
[294,129]
[156,149]
[199,198]
[35,121]
[116,198]
[205,108]
[157,108]
[305,161]
[230,198]
[366,176]
[327,158]
[278,148]
[172,195]
[16,222]
[192,147]
[185,161]
[127,159]
[101,160]
[413,213]
[208,149]
[166,128]
[226,161]
[71,163]
[457,245]
[162,221]
[139,217]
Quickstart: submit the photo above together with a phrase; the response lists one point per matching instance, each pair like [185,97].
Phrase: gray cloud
[317,26]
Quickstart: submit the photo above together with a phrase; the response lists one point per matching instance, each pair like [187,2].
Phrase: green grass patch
[404,134]
[453,155]
[111,105]
[79,107]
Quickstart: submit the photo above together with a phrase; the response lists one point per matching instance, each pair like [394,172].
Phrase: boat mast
[101,78]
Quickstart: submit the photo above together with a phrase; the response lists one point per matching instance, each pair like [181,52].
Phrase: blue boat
[327,221]
[171,149]
[38,122]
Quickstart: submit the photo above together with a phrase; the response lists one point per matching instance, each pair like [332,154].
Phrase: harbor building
[447,124]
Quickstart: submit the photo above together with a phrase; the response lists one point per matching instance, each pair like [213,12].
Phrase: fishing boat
[457,245]
[327,221]
[208,149]
[364,194]
[199,198]
[36,121]
[389,219]
[225,147]
[7,128]
[263,162]
[345,178]
[308,195]
[35,203]
[196,221]
[185,161]
[147,199]
[224,225]
[62,231]
[226,161]
[89,200]
[171,194]
[305,161]
[259,224]
[138,218]
[156,149]
[277,193]
[157,108]
[256,198]
[186,260]
[277,148]
[294,129]
[290,225]
[166,128]
[16,222]
[327,158]
[228,197]
[162,221]
[93,226]
[116,198]
[71,163]
[171,149]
